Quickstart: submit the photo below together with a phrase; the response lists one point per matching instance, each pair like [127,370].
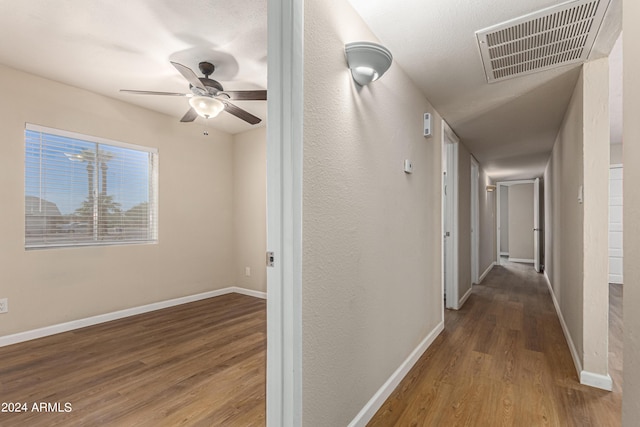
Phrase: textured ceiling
[105,45]
[509,126]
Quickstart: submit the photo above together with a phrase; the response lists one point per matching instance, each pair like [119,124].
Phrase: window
[82,190]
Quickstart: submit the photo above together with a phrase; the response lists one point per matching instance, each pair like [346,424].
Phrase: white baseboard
[603,382]
[600,381]
[504,253]
[574,352]
[378,399]
[107,317]
[249,292]
[523,260]
[486,272]
[464,298]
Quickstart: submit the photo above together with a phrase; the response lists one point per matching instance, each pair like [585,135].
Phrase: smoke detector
[550,38]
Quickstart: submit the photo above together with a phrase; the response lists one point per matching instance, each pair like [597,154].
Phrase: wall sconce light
[367,61]
[206,106]
[491,188]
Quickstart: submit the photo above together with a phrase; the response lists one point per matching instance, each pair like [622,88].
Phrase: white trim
[524,260]
[90,138]
[600,381]
[475,221]
[450,139]
[486,272]
[504,253]
[120,314]
[464,298]
[383,393]
[285,36]
[565,329]
[249,292]
[616,166]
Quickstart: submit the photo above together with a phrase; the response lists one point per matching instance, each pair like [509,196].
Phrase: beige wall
[250,208]
[371,265]
[464,221]
[51,286]
[596,216]
[487,222]
[615,154]
[631,391]
[564,218]
[576,233]
[521,221]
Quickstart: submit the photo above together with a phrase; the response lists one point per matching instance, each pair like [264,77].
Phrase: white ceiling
[509,126]
[105,45]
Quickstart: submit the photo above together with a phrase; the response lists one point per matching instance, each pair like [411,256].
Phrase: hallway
[501,360]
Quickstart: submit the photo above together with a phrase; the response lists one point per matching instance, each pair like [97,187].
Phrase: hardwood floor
[502,360]
[198,364]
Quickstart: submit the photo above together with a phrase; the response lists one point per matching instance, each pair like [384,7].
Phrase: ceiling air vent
[550,38]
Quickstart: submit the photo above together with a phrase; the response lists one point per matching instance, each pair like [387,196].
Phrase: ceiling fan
[208,98]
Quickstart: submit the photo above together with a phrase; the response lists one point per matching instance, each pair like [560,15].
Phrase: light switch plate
[408,166]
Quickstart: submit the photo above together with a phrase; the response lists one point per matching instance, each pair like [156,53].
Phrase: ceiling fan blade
[188,74]
[189,116]
[149,92]
[240,113]
[246,95]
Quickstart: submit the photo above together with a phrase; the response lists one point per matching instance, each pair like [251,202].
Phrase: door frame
[450,143]
[285,30]
[475,221]
[500,184]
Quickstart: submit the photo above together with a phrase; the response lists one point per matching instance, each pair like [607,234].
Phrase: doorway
[518,222]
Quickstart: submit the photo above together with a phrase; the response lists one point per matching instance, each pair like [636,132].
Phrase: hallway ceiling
[509,126]
[104,46]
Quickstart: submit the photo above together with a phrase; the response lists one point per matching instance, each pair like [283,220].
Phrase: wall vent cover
[550,38]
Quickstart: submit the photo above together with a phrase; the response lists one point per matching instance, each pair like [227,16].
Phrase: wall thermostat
[427,124]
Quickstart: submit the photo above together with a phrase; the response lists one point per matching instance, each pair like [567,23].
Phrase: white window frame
[153,188]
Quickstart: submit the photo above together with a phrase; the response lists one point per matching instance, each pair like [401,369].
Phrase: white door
[537,232]
[615,224]
[450,216]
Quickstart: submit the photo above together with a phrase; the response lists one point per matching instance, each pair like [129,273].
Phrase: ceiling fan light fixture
[367,61]
[205,106]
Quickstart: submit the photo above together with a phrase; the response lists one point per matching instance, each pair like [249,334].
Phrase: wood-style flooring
[502,360]
[198,364]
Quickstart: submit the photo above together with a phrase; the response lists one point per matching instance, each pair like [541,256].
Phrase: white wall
[371,268]
[250,208]
[520,206]
[51,286]
[576,233]
[631,390]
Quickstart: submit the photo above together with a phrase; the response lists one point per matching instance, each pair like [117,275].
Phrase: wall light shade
[205,106]
[491,188]
[367,61]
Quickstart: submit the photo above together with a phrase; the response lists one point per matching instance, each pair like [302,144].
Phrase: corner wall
[631,111]
[371,266]
[51,286]
[250,209]
[487,201]
[576,233]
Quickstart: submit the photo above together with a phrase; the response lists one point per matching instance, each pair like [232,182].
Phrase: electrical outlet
[247,271]
[4,305]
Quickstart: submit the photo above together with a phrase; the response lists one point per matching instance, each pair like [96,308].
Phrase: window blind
[83,190]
